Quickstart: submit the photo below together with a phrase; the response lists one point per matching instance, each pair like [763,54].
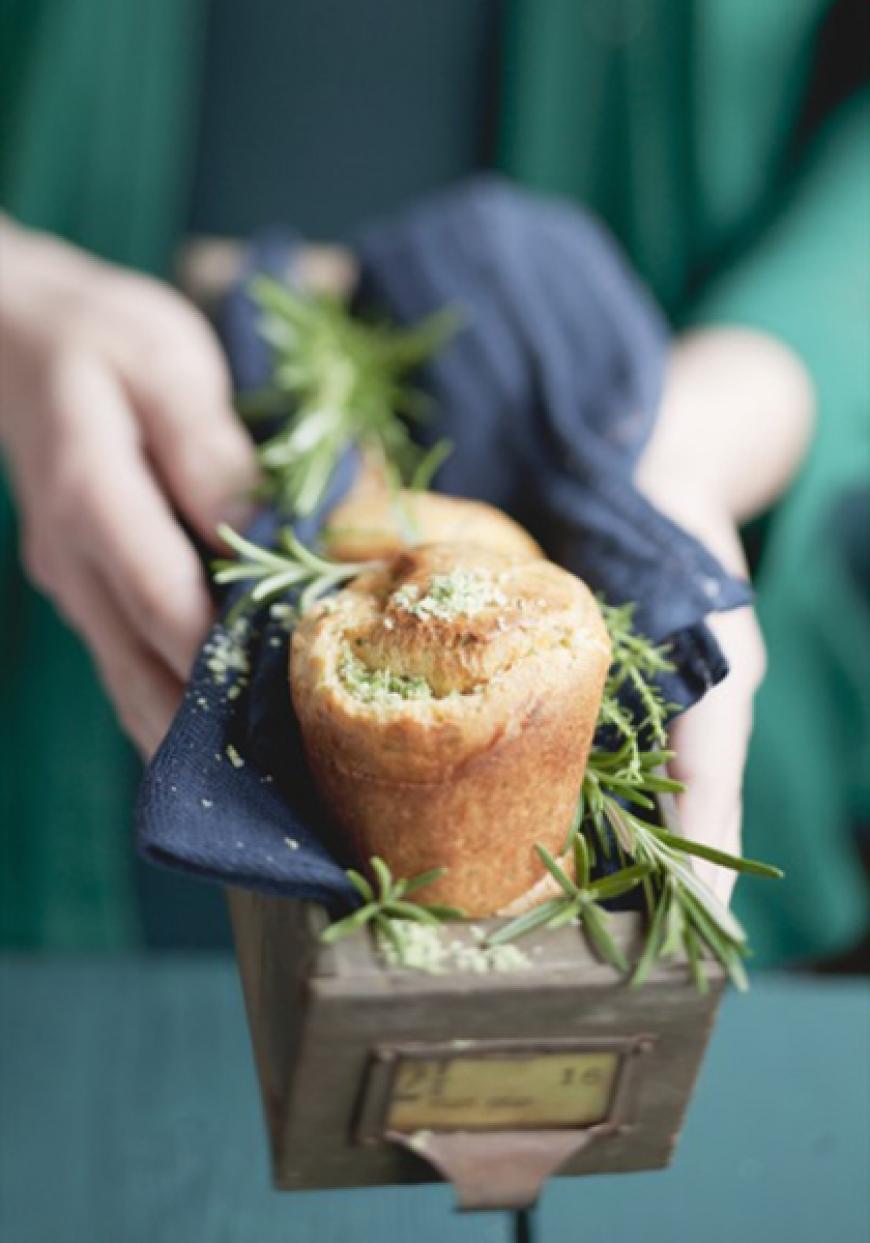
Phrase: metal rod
[524,1226]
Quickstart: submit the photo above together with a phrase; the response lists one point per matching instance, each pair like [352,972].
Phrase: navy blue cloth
[227,795]
[549,392]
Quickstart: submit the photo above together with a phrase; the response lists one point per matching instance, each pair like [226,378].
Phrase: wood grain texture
[317,1021]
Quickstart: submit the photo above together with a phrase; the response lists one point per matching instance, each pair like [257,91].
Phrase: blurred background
[726,145]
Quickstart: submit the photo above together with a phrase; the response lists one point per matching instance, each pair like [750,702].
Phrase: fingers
[181,393]
[109,507]
[149,565]
[711,742]
[145,694]
[202,453]
[114,392]
[710,745]
[102,543]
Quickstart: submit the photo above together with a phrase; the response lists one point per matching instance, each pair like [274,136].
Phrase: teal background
[137,1119]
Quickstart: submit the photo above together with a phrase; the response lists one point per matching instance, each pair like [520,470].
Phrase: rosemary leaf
[429,465]
[389,904]
[425,878]
[737,972]
[444,914]
[653,940]
[398,909]
[528,922]
[384,925]
[569,912]
[581,861]
[662,785]
[595,926]
[344,927]
[383,876]
[703,902]
[672,940]
[693,954]
[735,862]
[274,573]
[361,885]
[619,883]
[556,871]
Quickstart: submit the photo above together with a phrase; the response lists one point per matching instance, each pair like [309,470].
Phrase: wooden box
[375,1075]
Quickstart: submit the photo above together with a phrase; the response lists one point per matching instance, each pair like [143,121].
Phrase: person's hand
[115,413]
[711,742]
[711,739]
[735,418]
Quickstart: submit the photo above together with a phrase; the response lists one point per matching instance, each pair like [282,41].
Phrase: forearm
[734,421]
[735,418]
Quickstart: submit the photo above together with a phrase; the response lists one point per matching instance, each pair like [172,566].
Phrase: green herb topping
[423,947]
[462,593]
[379,685]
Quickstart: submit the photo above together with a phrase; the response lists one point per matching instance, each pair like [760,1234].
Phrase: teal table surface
[129,1114]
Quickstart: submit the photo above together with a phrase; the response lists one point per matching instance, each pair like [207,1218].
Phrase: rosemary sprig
[578,902]
[429,464]
[337,382]
[387,903]
[683,912]
[400,496]
[618,809]
[635,664]
[276,572]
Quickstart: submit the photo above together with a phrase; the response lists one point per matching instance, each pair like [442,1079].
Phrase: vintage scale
[372,1075]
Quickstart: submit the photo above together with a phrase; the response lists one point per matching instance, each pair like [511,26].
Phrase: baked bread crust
[486,756]
[367,526]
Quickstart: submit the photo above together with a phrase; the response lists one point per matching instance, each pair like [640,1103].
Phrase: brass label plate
[515,1091]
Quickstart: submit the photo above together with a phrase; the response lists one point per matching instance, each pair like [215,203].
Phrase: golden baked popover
[447,703]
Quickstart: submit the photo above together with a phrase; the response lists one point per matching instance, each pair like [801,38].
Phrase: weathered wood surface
[317,1013]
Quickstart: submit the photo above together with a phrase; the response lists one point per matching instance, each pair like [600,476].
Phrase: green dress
[673,118]
[97,108]
[732,158]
